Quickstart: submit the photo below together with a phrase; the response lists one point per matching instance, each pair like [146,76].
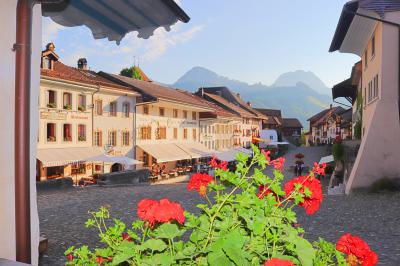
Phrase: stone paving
[374,217]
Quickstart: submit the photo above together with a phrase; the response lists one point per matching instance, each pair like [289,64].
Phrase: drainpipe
[93,109]
[389,23]
[22,48]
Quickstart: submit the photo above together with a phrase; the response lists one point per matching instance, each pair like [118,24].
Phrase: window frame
[98,138]
[98,103]
[82,107]
[82,138]
[113,110]
[161,111]
[54,133]
[126,109]
[67,138]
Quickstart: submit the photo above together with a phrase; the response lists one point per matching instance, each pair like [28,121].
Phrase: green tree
[131,72]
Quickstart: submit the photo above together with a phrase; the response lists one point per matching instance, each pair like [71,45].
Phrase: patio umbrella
[113,159]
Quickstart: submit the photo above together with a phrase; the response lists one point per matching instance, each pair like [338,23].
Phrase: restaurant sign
[53,116]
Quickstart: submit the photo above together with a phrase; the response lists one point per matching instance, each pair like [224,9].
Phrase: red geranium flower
[70,257]
[267,155]
[278,262]
[310,203]
[319,169]
[200,182]
[279,163]
[264,191]
[222,165]
[357,250]
[126,237]
[162,212]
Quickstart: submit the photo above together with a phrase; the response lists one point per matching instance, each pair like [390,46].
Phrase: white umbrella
[113,159]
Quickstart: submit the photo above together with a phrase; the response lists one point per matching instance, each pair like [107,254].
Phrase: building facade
[377,44]
[81,115]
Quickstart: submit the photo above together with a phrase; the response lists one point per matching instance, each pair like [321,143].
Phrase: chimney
[238,94]
[330,106]
[82,63]
[249,104]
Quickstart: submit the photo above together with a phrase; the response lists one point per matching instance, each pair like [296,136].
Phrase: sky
[247,40]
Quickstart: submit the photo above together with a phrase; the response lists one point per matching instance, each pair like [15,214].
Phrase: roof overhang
[113,19]
[346,90]
[353,31]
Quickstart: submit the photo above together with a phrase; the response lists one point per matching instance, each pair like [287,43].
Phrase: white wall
[7,90]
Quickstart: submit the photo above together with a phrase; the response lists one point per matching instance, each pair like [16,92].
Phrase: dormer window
[46,64]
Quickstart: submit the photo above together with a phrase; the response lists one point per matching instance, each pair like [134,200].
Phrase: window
[194,116]
[185,133]
[67,132]
[81,132]
[51,99]
[46,63]
[366,58]
[98,106]
[51,132]
[373,47]
[145,110]
[145,133]
[82,102]
[175,111]
[161,133]
[125,138]
[162,111]
[78,168]
[113,108]
[126,109]
[365,96]
[112,138]
[369,91]
[175,133]
[376,87]
[194,134]
[67,101]
[98,168]
[185,114]
[98,138]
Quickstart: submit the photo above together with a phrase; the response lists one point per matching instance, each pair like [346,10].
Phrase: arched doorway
[117,167]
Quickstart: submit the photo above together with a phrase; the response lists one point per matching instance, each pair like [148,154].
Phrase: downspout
[97,90]
[22,48]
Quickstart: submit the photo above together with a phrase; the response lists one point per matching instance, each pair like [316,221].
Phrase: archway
[117,167]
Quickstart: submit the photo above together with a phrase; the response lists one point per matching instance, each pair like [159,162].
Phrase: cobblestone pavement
[374,217]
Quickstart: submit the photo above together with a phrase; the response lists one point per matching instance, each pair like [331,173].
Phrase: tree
[132,72]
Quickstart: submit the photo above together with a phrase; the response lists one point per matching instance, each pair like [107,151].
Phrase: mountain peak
[308,78]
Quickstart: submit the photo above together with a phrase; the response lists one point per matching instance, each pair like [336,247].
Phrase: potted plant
[68,107]
[81,108]
[51,139]
[247,219]
[81,138]
[67,138]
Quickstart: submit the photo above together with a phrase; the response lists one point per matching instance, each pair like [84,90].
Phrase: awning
[327,159]
[167,152]
[113,19]
[113,159]
[65,156]
[195,149]
[346,90]
[230,155]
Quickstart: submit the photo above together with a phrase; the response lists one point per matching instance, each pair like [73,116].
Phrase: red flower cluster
[357,250]
[319,169]
[70,257]
[310,204]
[267,155]
[126,237]
[278,262]
[200,182]
[101,260]
[222,165]
[164,211]
[279,163]
[263,191]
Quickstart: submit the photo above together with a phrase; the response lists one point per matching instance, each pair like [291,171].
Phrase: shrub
[248,220]
[338,151]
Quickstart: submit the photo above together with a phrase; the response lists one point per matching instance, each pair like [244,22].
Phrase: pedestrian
[296,169]
[300,168]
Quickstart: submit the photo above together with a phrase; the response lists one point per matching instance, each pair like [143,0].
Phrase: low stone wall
[59,183]
[124,177]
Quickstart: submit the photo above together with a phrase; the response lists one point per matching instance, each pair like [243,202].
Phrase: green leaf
[122,257]
[304,250]
[218,258]
[168,231]
[89,223]
[155,245]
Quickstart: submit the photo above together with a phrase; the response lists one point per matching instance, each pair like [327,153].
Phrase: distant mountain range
[298,94]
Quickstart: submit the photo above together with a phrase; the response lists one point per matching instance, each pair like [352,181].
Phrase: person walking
[300,168]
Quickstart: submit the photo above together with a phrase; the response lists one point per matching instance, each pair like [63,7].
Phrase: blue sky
[248,40]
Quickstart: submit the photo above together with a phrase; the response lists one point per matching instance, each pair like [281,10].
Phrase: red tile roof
[64,72]
[291,122]
[157,91]
[242,112]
